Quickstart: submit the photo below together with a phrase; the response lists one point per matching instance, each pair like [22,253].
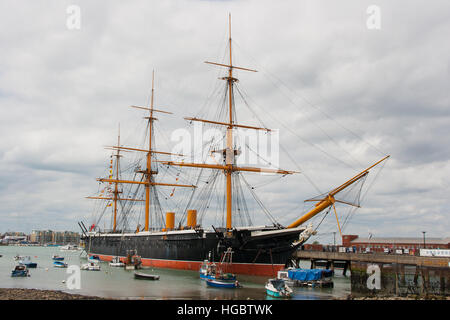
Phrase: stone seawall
[391,279]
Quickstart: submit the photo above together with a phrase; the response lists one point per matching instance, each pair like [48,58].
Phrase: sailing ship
[257,250]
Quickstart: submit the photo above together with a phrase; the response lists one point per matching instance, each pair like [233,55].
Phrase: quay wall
[393,279]
[386,274]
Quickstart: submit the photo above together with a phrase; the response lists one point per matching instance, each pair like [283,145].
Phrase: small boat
[27,262]
[91,266]
[20,271]
[57,258]
[133,261]
[17,258]
[115,262]
[209,270]
[59,264]
[69,247]
[278,288]
[223,283]
[94,258]
[145,276]
[307,277]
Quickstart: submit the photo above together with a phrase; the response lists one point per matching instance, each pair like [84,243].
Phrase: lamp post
[424,239]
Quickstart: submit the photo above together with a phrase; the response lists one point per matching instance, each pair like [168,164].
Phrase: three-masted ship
[256,250]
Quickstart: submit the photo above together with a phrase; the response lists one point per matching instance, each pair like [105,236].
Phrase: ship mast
[115,197]
[149,159]
[116,185]
[229,153]
[148,173]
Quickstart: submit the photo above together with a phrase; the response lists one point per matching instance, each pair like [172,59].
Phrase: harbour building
[387,244]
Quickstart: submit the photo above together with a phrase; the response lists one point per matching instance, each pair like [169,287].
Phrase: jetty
[387,274]
[344,259]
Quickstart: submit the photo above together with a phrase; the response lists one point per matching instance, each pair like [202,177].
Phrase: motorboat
[115,262]
[133,261]
[57,258]
[145,276]
[307,277]
[69,247]
[209,270]
[20,270]
[223,283]
[278,288]
[59,264]
[94,258]
[17,257]
[91,266]
[27,262]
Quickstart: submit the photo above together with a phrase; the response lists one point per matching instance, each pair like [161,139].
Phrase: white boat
[91,266]
[146,276]
[115,262]
[17,258]
[69,247]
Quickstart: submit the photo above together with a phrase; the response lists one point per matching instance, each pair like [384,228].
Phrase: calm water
[119,283]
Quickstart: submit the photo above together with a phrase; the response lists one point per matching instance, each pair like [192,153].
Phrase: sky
[346,83]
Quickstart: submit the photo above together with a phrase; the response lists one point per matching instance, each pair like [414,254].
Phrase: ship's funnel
[191,218]
[170,220]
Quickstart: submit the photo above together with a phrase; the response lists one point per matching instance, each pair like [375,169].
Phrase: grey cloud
[63,93]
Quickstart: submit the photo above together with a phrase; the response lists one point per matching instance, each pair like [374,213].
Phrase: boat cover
[309,274]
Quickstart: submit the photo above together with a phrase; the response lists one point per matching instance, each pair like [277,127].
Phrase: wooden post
[402,278]
[347,264]
[416,276]
[442,282]
[396,280]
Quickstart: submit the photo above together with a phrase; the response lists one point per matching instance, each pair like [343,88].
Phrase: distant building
[394,243]
[54,237]
[41,236]
[12,239]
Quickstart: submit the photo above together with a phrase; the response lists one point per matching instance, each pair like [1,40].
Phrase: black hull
[264,252]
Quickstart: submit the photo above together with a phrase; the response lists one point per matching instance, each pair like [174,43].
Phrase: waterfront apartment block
[41,237]
[54,237]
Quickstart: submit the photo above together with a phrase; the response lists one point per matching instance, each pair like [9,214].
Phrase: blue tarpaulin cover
[309,274]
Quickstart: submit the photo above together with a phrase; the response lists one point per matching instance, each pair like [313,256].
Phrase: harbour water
[118,283]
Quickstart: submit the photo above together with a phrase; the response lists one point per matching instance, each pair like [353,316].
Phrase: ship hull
[260,252]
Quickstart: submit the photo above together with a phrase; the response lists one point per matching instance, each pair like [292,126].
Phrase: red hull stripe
[253,269]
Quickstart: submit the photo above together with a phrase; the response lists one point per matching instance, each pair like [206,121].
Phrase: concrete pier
[387,274]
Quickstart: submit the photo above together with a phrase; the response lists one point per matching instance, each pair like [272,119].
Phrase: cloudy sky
[344,82]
